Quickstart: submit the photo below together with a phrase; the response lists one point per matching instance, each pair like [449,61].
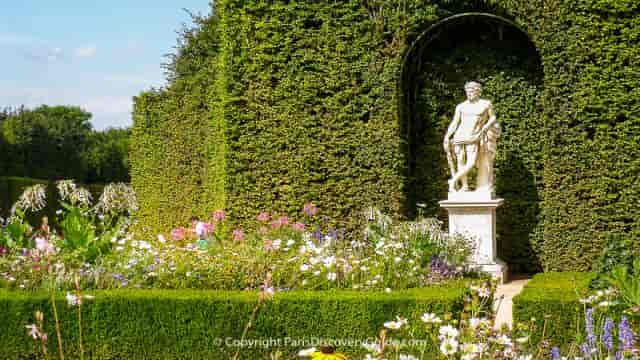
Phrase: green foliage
[56,142]
[274,104]
[107,156]
[551,302]
[627,281]
[46,142]
[192,324]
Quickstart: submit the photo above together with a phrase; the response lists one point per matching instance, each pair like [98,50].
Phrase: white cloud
[85,52]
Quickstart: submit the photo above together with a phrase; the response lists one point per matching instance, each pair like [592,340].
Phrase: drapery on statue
[475,132]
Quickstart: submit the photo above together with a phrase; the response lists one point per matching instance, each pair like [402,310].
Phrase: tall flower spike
[626,335]
[607,334]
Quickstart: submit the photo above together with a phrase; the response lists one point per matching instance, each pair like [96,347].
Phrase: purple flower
[317,234]
[178,234]
[263,216]
[238,235]
[440,269]
[607,334]
[591,334]
[555,353]
[310,209]
[218,215]
[626,335]
[298,226]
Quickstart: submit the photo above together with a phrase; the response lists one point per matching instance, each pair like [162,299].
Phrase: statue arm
[453,126]
[492,119]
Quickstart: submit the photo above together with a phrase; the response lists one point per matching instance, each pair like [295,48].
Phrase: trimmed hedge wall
[186,324]
[553,298]
[273,104]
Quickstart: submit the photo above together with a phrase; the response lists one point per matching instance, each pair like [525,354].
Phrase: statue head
[473,90]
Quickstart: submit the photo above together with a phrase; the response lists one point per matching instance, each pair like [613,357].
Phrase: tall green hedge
[192,324]
[272,104]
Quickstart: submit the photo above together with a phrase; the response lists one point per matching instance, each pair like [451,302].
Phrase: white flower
[290,242]
[276,244]
[307,352]
[482,291]
[162,239]
[449,346]
[316,273]
[304,267]
[387,290]
[328,261]
[504,340]
[522,340]
[332,276]
[525,357]
[407,357]
[371,347]
[397,324]
[448,332]
[33,331]
[397,259]
[604,304]
[72,300]
[430,318]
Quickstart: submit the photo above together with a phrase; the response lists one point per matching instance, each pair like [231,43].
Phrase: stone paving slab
[504,301]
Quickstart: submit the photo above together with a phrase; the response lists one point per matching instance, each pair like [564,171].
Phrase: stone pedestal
[473,214]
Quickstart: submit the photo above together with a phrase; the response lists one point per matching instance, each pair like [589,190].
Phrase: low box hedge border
[552,299]
[198,324]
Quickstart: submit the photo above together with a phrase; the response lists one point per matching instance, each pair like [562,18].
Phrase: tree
[107,156]
[47,142]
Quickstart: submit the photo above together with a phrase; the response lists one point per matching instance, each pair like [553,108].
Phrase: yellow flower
[328,352]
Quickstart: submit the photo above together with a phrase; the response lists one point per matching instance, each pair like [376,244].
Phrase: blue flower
[607,335]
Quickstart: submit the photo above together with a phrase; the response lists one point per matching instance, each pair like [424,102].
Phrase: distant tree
[47,142]
[107,156]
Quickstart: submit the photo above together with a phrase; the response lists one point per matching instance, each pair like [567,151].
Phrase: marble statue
[475,133]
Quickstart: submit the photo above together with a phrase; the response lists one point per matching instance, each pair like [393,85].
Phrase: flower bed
[192,324]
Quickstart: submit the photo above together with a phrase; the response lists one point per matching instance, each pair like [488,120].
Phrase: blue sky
[93,54]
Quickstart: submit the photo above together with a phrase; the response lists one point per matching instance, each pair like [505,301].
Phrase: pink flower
[44,246]
[204,228]
[178,234]
[263,216]
[238,235]
[268,244]
[310,209]
[218,215]
[298,226]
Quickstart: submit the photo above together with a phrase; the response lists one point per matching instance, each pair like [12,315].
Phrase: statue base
[473,214]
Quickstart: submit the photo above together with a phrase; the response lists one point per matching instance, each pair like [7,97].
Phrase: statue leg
[460,156]
[467,165]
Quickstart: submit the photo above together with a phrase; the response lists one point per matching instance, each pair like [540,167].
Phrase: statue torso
[472,117]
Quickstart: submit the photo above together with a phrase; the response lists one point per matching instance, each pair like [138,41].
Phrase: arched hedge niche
[498,54]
